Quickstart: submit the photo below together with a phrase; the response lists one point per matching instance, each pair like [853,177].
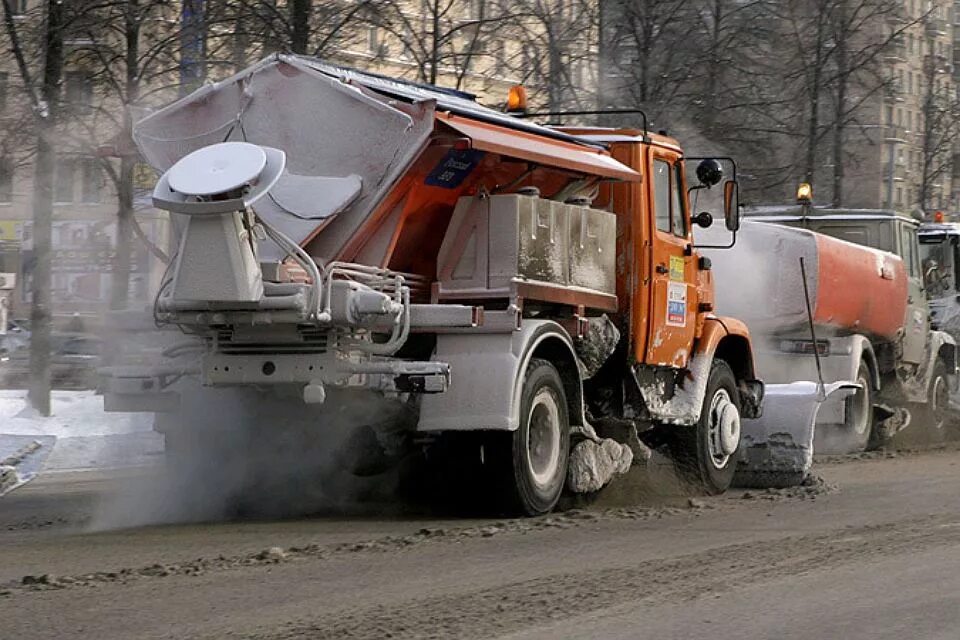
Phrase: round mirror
[709,172]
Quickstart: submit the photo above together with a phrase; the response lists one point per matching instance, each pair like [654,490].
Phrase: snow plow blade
[21,459]
[777,448]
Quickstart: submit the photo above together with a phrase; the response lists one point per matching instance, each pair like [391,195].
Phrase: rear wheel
[531,466]
[706,453]
[854,434]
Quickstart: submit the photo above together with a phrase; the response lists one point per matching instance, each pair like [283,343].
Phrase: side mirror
[703,219]
[731,205]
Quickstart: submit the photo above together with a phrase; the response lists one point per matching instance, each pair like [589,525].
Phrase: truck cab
[940,261]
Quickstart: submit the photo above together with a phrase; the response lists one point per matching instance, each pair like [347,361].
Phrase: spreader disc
[217,169]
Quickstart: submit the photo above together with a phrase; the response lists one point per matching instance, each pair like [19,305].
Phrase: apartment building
[914,170]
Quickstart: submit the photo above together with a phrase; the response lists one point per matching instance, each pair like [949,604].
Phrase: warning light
[517,99]
[804,193]
[938,216]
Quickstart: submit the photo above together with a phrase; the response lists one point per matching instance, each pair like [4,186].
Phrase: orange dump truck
[505,292]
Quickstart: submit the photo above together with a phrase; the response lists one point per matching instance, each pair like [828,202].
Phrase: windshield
[939,261]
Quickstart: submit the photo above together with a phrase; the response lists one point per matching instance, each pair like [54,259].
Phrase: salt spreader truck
[499,282]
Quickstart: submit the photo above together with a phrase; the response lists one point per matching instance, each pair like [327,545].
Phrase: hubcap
[543,437]
[724,428]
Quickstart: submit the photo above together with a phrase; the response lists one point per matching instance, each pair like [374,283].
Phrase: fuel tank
[852,288]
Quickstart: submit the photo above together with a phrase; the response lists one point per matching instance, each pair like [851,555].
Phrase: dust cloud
[246,453]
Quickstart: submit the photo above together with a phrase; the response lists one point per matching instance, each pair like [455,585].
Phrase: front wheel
[706,453]
[532,464]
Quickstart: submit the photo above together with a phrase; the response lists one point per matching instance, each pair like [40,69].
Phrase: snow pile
[87,437]
[595,461]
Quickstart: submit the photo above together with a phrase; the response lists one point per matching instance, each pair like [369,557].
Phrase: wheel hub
[729,428]
[543,441]
[724,428]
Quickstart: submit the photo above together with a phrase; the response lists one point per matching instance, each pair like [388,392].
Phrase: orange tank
[853,289]
[859,288]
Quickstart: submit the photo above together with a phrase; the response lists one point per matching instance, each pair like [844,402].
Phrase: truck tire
[706,453]
[531,465]
[855,433]
[932,416]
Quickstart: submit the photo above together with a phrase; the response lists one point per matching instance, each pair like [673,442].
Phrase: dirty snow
[87,437]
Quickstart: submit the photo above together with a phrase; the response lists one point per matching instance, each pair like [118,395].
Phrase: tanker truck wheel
[706,453]
[854,434]
[530,466]
[932,416]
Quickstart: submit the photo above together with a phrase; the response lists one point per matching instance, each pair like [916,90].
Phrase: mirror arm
[733,241]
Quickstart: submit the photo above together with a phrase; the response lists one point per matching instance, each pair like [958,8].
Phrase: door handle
[662,268]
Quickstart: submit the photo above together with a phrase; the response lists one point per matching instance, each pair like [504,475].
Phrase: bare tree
[305,27]
[649,55]
[46,107]
[444,38]
[132,50]
[558,44]
[940,130]
[856,78]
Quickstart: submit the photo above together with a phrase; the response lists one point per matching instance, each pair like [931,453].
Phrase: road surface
[872,554]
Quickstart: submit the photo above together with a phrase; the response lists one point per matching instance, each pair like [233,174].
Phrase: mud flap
[777,448]
[21,459]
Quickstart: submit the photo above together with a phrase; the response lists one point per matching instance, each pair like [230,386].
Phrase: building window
[91,176]
[79,91]
[78,179]
[64,178]
[4,83]
[19,7]
[6,180]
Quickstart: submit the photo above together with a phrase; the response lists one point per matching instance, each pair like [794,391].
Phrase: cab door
[674,300]
[917,323]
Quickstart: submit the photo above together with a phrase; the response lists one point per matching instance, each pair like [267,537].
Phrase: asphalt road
[874,554]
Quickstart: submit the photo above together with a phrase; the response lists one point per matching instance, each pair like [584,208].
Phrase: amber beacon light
[517,99]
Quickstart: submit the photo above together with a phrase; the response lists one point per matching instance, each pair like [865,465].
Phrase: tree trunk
[434,43]
[120,285]
[193,46]
[714,69]
[40,313]
[839,127]
[300,11]
[121,277]
[555,71]
[813,125]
